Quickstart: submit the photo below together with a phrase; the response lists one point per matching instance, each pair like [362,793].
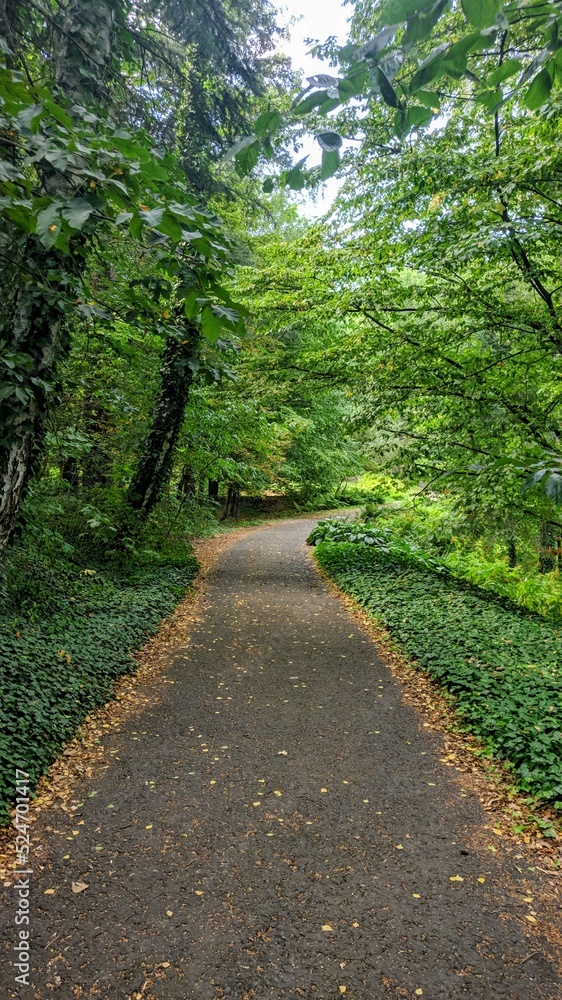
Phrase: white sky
[318,20]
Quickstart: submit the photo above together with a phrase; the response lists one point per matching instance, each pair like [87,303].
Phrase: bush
[499,662]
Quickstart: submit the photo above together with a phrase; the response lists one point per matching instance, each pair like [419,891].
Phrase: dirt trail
[278,824]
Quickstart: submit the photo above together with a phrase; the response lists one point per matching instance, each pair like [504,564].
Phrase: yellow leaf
[416,895]
[418,993]
[256,803]
[342,989]
[365,800]
[198,892]
[212,782]
[323,789]
[532,920]
[456,878]
[497,832]
[326,927]
[481,880]
[169,913]
[355,924]
[528,899]
[277,793]
[399,847]
[49,892]
[165,965]
[149,826]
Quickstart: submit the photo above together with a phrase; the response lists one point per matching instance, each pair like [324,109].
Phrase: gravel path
[278,824]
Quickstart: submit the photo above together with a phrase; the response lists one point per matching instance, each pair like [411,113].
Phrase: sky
[318,19]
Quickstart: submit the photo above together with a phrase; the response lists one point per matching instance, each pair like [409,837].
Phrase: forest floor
[261,814]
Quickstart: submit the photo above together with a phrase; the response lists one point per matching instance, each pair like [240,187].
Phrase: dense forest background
[181,345]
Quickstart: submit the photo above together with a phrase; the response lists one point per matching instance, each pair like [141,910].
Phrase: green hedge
[501,663]
[56,669]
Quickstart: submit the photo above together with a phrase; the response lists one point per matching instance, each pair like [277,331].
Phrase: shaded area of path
[278,825]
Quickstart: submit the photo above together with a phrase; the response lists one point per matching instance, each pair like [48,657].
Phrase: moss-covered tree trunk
[33,322]
[155,463]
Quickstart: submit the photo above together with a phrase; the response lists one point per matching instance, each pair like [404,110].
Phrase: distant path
[278,825]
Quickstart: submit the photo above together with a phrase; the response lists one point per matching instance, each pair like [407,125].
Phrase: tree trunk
[213,489]
[547,548]
[33,322]
[511,544]
[232,502]
[187,484]
[34,334]
[155,463]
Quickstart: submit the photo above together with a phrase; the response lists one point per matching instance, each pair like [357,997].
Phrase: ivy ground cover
[500,663]
[59,664]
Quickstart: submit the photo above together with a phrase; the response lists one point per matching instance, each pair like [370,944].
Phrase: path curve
[277,825]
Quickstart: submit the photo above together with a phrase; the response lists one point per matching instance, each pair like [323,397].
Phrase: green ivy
[57,669]
[499,662]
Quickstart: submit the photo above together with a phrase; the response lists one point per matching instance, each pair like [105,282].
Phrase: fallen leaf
[528,899]
[481,880]
[198,892]
[532,920]
[416,895]
[148,826]
[169,913]
[256,803]
[278,793]
[456,878]
[325,927]
[355,924]
[497,832]
[323,789]
[418,993]
[282,753]
[49,892]
[79,886]
[165,965]
[399,847]
[342,989]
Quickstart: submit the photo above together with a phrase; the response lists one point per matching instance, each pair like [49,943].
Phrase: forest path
[278,824]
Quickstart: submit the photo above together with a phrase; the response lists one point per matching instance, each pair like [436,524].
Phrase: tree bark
[232,502]
[155,463]
[547,548]
[213,489]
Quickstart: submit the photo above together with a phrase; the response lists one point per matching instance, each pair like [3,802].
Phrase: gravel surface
[277,824]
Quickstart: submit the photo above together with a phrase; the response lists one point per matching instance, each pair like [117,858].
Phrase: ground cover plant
[63,647]
[500,663]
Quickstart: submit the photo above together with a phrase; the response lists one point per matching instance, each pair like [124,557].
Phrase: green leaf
[331,160]
[267,186]
[77,212]
[553,487]
[48,224]
[480,13]
[311,102]
[388,93]
[267,123]
[539,90]
[211,325]
[396,11]
[430,69]
[153,217]
[295,179]
[503,72]
[354,83]
[247,158]
[170,227]
[420,25]
[416,116]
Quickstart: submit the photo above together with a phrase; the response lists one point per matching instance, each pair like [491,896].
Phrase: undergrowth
[500,663]
[67,632]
